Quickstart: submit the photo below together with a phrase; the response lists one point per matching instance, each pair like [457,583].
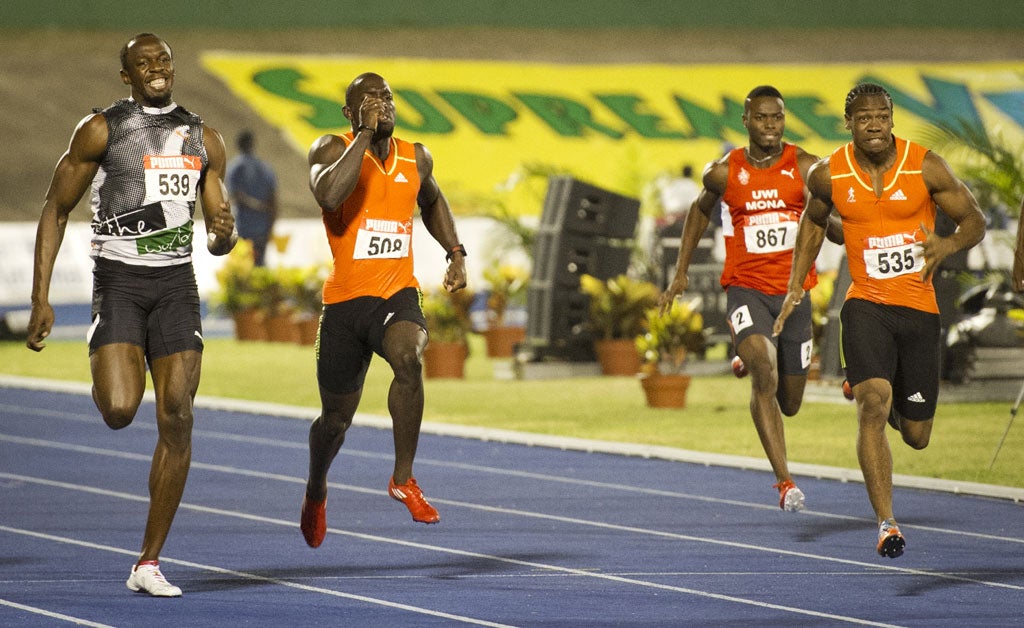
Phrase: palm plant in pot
[617,314]
[670,337]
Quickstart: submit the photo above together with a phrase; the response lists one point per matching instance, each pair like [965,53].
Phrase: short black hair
[124,48]
[863,89]
[764,90]
[245,141]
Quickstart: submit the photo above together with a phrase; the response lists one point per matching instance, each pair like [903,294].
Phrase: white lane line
[246,575]
[35,610]
[421,546]
[674,454]
[503,511]
[477,468]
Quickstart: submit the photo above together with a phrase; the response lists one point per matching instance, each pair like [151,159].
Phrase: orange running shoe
[890,541]
[411,495]
[791,499]
[313,521]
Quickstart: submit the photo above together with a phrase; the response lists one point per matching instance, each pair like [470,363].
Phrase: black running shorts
[897,344]
[754,312]
[352,331]
[154,307]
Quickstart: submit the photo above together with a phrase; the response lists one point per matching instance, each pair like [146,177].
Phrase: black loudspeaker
[583,230]
[577,207]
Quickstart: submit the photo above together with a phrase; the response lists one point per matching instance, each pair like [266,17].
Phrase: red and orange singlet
[764,210]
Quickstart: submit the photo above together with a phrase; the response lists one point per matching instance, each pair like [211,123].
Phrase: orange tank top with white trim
[370,234]
[883,233]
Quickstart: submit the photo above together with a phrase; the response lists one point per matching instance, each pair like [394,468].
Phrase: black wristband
[363,127]
[458,248]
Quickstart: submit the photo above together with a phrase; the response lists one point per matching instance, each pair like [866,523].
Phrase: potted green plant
[671,336]
[240,293]
[617,315]
[507,284]
[448,324]
[309,287]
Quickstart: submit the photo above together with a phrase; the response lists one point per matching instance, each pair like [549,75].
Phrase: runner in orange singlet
[368,184]
[762,185]
[886,190]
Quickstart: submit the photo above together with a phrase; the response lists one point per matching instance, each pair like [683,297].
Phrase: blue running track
[529,535]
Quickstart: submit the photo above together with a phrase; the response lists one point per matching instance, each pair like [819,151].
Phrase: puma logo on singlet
[789,173]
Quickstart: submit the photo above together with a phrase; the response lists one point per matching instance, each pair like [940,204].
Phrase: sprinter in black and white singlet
[148,161]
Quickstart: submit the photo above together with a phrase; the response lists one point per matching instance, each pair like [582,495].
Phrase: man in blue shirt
[252,188]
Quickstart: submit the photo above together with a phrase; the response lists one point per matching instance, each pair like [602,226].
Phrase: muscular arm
[438,219]
[75,170]
[220,224]
[834,227]
[958,203]
[809,237]
[708,200]
[334,168]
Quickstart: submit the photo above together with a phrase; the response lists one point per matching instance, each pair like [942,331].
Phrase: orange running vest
[883,234]
[370,234]
[764,209]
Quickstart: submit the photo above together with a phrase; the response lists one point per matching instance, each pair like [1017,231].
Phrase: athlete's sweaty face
[765,120]
[149,70]
[870,123]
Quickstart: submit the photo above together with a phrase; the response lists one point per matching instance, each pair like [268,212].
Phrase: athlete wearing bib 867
[886,190]
[368,183]
[760,190]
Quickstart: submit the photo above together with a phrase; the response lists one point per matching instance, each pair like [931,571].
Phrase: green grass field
[716,418]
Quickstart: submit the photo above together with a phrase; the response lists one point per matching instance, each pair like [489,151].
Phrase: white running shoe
[791,499]
[147,578]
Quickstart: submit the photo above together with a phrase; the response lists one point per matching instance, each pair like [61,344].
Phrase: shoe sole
[793,500]
[892,546]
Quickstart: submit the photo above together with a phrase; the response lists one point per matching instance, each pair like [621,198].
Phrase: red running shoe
[739,369]
[847,390]
[411,495]
[313,521]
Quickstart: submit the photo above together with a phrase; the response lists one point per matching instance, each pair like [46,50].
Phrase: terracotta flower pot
[618,356]
[665,391]
[282,328]
[502,341]
[249,324]
[445,359]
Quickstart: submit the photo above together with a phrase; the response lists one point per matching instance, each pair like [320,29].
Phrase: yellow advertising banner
[619,127]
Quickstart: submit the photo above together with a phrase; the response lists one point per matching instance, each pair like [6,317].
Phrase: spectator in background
[676,196]
[252,188]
